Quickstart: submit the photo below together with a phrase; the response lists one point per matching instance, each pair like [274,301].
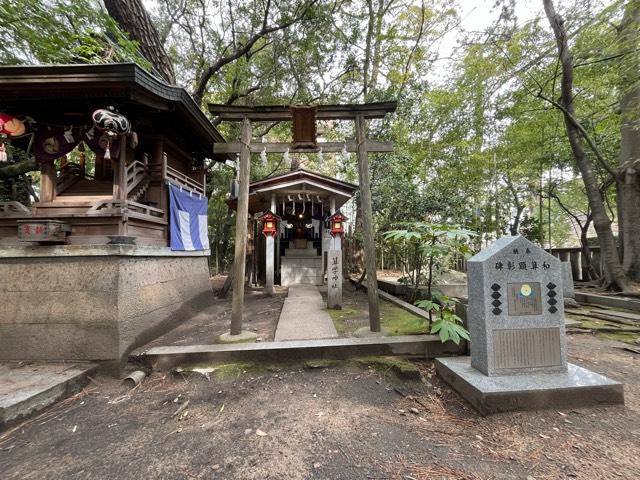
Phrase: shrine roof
[70,93]
[298,175]
[294,182]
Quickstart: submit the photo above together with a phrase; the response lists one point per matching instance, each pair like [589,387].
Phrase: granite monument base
[576,388]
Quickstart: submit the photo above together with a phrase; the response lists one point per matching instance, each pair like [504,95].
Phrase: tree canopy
[480,130]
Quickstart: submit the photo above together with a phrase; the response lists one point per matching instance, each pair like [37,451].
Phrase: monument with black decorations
[518,343]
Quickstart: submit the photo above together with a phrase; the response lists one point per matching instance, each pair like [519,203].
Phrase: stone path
[304,316]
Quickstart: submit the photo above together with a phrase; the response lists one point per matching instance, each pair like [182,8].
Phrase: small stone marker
[334,279]
[516,321]
[567,286]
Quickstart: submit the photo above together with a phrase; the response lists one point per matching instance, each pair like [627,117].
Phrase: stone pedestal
[575,388]
[95,302]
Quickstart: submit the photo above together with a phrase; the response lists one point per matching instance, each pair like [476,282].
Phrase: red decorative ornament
[10,126]
[269,224]
[337,223]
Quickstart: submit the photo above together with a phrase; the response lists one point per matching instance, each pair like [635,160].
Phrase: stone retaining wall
[95,303]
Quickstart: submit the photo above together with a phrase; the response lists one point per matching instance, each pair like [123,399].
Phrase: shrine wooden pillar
[241,228]
[120,185]
[367,223]
[48,181]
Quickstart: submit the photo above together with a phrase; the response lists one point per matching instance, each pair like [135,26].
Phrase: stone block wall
[94,303]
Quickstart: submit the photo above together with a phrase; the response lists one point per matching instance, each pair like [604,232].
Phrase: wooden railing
[117,207]
[137,172]
[69,174]
[173,176]
[183,180]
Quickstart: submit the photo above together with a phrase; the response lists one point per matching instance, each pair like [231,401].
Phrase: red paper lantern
[269,224]
[337,223]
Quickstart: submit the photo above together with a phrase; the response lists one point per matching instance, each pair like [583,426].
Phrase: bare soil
[260,315]
[341,422]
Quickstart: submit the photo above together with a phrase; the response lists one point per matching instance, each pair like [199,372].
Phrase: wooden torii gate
[304,119]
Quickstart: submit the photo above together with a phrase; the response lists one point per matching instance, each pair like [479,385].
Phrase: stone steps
[26,389]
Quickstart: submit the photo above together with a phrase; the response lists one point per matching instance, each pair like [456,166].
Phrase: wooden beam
[241,230]
[367,224]
[280,113]
[327,147]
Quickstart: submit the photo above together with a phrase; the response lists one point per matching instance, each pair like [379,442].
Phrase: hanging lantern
[337,223]
[269,224]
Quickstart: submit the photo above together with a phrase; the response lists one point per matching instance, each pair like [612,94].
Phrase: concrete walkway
[304,316]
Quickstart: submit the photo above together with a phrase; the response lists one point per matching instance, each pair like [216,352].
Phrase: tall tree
[134,19]
[629,158]
[577,134]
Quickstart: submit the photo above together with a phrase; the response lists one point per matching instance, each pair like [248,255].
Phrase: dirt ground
[340,422]
[260,315]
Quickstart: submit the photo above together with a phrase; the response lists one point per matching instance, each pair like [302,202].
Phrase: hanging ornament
[263,157]
[112,123]
[11,126]
[344,153]
[286,158]
[320,157]
[68,135]
[109,120]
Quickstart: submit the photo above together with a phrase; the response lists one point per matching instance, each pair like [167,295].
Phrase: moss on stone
[396,320]
[321,363]
[400,322]
[401,367]
[620,335]
[222,371]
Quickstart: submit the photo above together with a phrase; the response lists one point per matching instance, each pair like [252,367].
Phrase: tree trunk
[629,157]
[132,17]
[614,273]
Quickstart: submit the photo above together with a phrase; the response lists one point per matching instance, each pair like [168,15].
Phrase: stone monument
[518,344]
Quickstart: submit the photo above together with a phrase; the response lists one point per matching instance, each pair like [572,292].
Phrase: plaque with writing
[524,298]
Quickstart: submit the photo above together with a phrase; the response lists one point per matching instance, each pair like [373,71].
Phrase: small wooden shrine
[87,271]
[305,246]
[300,202]
[94,183]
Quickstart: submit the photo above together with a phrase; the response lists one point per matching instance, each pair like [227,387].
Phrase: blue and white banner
[188,220]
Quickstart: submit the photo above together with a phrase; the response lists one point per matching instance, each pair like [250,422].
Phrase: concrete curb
[608,301]
[424,346]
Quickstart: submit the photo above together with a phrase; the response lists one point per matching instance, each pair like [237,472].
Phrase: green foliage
[426,250]
[62,31]
[448,325]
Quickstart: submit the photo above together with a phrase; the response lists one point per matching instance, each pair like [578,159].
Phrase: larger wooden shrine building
[102,261]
